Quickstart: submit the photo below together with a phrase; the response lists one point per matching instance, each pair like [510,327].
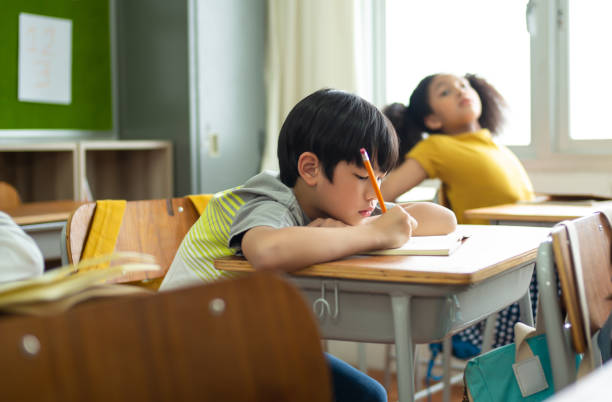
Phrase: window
[585,63]
[548,58]
[488,38]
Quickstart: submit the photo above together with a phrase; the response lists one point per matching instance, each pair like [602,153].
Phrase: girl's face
[455,105]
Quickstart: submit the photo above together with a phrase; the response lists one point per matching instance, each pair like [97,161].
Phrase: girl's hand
[326,223]
[393,228]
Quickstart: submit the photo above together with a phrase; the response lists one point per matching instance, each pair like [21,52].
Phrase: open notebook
[59,289]
[426,245]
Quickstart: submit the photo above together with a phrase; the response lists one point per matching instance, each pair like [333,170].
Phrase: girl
[446,132]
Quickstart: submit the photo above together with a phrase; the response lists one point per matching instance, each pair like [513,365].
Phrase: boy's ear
[432,122]
[309,168]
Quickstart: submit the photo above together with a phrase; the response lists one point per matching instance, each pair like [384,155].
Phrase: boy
[322,207]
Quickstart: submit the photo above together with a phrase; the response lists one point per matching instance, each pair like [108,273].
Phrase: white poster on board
[45,59]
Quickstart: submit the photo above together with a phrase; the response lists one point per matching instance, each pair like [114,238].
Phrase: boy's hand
[326,223]
[394,227]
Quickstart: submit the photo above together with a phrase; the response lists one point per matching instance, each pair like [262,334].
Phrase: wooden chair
[9,197]
[441,197]
[155,227]
[578,253]
[247,339]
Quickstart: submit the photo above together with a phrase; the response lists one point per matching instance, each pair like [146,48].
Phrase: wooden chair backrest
[595,242]
[9,198]
[441,197]
[154,227]
[246,339]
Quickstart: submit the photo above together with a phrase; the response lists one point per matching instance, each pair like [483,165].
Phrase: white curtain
[312,44]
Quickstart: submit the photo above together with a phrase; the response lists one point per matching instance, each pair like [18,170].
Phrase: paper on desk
[427,245]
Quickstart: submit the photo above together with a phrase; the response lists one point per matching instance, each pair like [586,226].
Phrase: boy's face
[350,198]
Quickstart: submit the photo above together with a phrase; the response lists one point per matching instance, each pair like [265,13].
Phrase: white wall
[597,183]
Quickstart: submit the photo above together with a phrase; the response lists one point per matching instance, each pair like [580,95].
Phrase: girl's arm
[432,219]
[292,248]
[398,181]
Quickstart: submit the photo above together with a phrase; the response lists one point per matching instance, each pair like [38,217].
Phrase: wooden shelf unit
[131,170]
[41,171]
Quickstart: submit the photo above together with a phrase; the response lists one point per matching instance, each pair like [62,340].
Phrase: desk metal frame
[47,236]
[390,312]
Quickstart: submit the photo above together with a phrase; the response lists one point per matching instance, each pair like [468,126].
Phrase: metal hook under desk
[455,308]
[325,304]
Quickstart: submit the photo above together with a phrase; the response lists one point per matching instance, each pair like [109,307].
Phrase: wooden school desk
[541,214]
[44,222]
[418,299]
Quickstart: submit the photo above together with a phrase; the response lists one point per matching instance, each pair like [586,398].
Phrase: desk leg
[362,358]
[525,307]
[404,348]
[562,358]
[489,332]
[447,346]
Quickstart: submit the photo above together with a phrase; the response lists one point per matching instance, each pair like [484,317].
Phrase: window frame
[551,147]
[566,143]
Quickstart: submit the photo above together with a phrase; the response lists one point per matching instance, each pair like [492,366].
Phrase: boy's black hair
[409,121]
[335,125]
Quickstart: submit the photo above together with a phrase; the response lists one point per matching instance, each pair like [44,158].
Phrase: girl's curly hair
[409,121]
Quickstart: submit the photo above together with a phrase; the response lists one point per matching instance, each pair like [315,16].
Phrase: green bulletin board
[91,106]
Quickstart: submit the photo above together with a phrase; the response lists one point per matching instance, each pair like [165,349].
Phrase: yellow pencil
[368,166]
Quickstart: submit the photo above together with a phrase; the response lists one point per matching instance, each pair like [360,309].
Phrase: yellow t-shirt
[475,170]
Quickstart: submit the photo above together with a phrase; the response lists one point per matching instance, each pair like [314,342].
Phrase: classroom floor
[456,390]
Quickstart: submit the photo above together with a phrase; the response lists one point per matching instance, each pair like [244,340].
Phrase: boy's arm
[292,248]
[433,219]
